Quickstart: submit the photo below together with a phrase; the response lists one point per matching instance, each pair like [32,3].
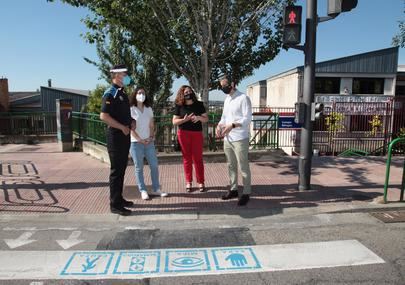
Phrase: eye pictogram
[187,262]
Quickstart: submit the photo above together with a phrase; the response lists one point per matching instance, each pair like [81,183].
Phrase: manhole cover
[390,216]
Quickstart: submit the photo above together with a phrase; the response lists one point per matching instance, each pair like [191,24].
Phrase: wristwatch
[233,125]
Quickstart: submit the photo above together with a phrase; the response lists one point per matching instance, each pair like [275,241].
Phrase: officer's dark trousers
[118,148]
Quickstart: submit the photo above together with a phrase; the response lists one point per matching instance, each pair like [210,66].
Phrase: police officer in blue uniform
[115,112]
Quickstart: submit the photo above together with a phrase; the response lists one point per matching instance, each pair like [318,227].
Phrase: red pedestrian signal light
[292,25]
[292,17]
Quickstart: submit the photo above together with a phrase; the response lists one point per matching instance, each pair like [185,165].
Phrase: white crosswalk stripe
[136,264]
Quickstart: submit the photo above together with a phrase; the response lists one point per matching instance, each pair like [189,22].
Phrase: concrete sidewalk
[39,179]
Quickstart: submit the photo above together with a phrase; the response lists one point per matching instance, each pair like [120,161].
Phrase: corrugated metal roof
[378,61]
[49,96]
[72,91]
[15,96]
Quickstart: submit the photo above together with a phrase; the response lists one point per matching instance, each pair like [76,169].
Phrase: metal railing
[89,127]
[265,132]
[28,123]
[387,172]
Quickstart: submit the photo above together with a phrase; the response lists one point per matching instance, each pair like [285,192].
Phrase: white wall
[254,93]
[346,82]
[283,91]
[257,94]
[389,86]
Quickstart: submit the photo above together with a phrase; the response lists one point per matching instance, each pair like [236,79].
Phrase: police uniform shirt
[115,103]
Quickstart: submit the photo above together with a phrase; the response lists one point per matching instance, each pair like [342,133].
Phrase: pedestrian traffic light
[292,25]
[335,7]
[317,111]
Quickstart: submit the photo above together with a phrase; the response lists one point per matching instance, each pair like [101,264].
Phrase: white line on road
[137,264]
[23,239]
[20,229]
[71,241]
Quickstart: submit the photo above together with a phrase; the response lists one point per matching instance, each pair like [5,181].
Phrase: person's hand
[195,119]
[227,129]
[133,125]
[188,117]
[125,130]
[218,131]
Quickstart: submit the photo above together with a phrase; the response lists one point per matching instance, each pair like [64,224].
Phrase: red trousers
[191,143]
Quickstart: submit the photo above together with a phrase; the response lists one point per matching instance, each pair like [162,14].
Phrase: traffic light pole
[305,159]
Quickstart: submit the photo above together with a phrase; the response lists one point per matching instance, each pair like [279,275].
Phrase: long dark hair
[180,95]
[132,98]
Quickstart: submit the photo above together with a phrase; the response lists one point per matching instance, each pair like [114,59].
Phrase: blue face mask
[126,80]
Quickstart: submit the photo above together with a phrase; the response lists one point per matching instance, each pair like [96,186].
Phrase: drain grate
[390,216]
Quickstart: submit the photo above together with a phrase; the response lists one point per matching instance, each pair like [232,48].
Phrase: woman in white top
[142,142]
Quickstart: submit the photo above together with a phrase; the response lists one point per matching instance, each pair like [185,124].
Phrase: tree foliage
[95,98]
[145,71]
[198,39]
[399,39]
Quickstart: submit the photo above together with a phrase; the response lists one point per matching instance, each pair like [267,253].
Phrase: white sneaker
[144,195]
[160,193]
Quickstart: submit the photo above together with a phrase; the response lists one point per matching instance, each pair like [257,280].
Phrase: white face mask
[140,97]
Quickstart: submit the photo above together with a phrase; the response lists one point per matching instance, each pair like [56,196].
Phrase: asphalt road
[104,233]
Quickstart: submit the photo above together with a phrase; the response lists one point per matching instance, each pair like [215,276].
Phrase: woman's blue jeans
[139,152]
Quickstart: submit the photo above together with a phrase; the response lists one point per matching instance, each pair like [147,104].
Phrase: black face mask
[226,89]
[187,96]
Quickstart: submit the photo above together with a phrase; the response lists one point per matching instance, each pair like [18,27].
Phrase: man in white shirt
[234,127]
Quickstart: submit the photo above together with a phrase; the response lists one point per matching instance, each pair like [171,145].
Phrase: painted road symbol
[88,263]
[186,260]
[141,262]
[235,258]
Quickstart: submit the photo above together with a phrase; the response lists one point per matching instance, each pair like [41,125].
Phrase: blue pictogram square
[235,258]
[138,262]
[88,263]
[187,260]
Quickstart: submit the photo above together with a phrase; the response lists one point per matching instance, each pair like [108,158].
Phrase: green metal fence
[90,127]
[398,143]
[265,132]
[28,123]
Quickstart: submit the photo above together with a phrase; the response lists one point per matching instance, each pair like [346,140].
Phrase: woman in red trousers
[189,116]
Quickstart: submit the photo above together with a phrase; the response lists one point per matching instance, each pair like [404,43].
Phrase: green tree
[399,39]
[144,70]
[95,98]
[198,39]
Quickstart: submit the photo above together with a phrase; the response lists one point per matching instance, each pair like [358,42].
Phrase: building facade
[367,77]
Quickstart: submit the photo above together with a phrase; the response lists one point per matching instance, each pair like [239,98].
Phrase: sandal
[188,188]
[202,188]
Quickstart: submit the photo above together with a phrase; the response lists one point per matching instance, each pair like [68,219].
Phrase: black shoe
[120,211]
[231,194]
[126,203]
[243,200]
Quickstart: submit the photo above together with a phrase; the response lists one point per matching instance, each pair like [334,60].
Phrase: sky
[42,40]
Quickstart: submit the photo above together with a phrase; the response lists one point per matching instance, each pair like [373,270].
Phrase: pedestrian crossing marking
[138,264]
[88,263]
[235,258]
